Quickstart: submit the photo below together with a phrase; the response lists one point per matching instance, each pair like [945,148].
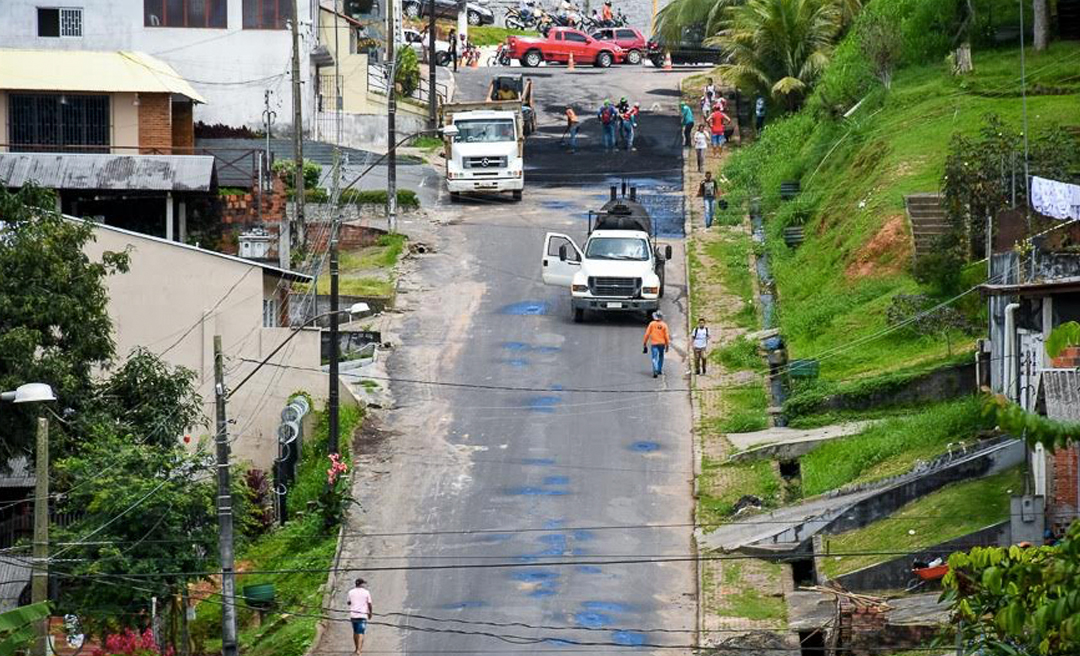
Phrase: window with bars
[59,21]
[267,14]
[185,13]
[58,122]
[270,313]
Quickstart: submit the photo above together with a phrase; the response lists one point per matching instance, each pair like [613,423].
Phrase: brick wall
[155,122]
[1064,465]
[183,127]
[240,213]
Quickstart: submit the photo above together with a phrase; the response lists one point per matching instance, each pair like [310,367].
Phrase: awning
[108,172]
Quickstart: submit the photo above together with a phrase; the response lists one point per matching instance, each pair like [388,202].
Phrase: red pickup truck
[559,44]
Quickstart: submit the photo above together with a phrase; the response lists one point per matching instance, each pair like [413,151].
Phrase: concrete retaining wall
[940,384]
[895,574]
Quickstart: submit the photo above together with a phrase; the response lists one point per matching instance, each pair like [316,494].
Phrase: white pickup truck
[620,269]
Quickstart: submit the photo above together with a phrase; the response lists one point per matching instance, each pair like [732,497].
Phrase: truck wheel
[516,194]
[633,57]
[455,196]
[579,315]
[603,59]
[532,59]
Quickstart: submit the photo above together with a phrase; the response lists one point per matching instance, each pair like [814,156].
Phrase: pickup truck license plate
[614,305]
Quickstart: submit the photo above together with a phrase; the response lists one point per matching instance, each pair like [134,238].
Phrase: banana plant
[17,626]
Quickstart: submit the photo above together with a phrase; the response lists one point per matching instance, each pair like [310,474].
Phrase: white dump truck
[485,140]
[620,268]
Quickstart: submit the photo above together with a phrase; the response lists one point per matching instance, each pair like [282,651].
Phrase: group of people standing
[618,125]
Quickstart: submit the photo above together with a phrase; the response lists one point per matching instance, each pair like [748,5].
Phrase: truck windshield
[617,248]
[484,131]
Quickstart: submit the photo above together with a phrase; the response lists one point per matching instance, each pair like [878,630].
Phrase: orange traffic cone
[570,64]
[475,62]
[667,61]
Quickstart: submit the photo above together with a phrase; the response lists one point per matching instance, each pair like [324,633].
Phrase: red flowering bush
[335,496]
[130,643]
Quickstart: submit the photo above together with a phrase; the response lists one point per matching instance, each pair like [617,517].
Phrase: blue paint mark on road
[545,350]
[645,447]
[628,638]
[538,461]
[545,404]
[525,308]
[554,523]
[589,569]
[515,346]
[530,491]
[498,537]
[607,606]
[544,590]
[535,575]
[583,535]
[556,480]
[557,544]
[560,643]
[557,388]
[517,363]
[592,620]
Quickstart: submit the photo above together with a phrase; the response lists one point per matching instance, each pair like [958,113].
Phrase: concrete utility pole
[433,101]
[391,110]
[225,512]
[298,127]
[334,400]
[39,587]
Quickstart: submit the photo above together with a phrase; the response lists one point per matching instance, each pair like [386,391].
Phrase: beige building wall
[175,298]
[125,123]
[353,67]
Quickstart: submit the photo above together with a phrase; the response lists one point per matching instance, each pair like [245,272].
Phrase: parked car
[418,42]
[628,38]
[689,49]
[476,13]
[559,44]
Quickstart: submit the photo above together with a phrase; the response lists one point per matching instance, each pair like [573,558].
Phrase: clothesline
[1055,199]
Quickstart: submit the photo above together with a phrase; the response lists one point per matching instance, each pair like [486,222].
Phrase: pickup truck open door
[556,269]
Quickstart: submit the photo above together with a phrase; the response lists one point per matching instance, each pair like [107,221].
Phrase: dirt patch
[889,251]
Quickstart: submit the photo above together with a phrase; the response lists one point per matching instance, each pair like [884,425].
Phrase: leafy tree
[54,322]
[1018,601]
[145,509]
[407,71]
[704,16]
[779,46]
[882,44]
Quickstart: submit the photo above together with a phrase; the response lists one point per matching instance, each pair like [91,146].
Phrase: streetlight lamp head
[359,308]
[30,393]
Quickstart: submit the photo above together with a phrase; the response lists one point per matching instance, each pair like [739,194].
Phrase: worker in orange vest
[657,337]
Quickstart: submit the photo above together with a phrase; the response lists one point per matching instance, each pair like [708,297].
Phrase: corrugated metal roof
[20,474]
[14,577]
[81,70]
[104,171]
[1062,388]
[1036,288]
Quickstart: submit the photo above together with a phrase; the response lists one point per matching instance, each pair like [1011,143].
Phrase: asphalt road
[526,487]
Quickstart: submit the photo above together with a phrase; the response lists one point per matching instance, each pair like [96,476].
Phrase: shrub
[406,198]
[286,169]
[407,73]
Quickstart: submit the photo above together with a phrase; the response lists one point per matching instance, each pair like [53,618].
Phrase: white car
[418,42]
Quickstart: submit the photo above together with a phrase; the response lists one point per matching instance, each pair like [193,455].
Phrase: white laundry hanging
[1058,200]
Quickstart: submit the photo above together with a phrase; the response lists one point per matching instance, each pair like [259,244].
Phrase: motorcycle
[470,56]
[516,20]
[501,56]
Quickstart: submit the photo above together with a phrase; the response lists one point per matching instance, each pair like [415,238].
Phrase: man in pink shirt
[360,611]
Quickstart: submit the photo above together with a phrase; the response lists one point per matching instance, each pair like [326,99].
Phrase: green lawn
[835,288]
[951,512]
[730,255]
[892,446]
[722,484]
[751,589]
[490,35]
[367,271]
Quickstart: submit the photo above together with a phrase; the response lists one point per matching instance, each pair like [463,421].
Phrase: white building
[231,51]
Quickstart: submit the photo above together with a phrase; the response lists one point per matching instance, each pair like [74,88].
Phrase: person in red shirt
[717,120]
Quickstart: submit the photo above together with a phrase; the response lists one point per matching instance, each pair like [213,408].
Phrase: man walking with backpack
[608,118]
[699,342]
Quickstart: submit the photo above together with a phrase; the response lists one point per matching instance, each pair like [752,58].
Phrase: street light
[39,586]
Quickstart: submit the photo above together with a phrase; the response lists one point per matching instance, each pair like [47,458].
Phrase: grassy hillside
[836,287]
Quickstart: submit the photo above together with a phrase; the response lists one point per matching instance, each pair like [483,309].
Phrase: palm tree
[679,15]
[780,46]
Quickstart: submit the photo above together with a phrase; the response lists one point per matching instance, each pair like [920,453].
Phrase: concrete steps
[928,221]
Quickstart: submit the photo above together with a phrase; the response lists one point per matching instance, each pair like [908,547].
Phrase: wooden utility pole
[433,100]
[391,110]
[225,511]
[39,587]
[298,129]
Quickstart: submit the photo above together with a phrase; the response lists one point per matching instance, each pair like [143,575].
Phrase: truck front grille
[620,287]
[485,162]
